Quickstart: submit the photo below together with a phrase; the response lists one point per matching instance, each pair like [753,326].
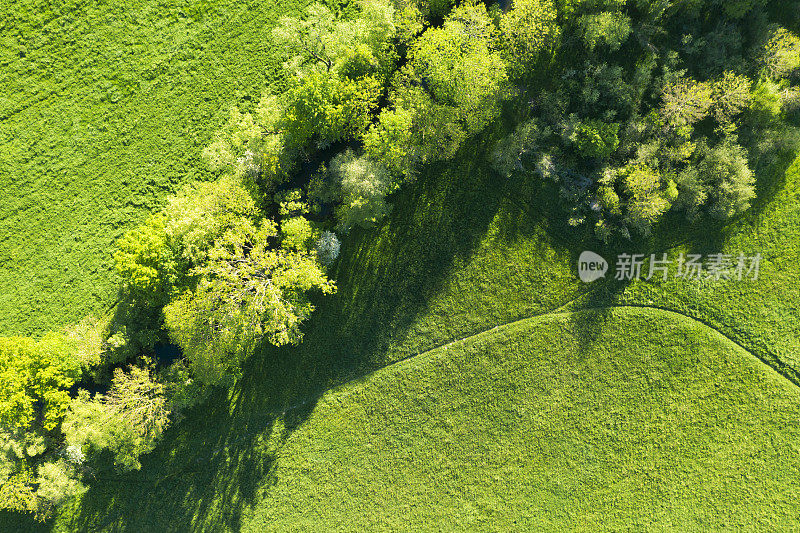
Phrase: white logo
[591,267]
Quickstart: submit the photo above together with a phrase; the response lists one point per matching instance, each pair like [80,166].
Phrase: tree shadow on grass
[211,465]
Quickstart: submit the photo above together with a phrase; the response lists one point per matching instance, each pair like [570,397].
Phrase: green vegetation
[408,198]
[104,112]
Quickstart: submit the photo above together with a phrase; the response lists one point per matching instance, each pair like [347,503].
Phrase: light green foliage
[145,261]
[731,95]
[297,234]
[17,493]
[321,42]
[291,203]
[781,54]
[650,197]
[451,88]
[461,66]
[409,23]
[766,104]
[57,483]
[200,214]
[431,9]
[364,184]
[128,420]
[571,8]
[609,199]
[686,102]
[731,182]
[329,107]
[692,192]
[595,138]
[339,68]
[391,140]
[527,29]
[248,291]
[87,338]
[607,28]
[36,372]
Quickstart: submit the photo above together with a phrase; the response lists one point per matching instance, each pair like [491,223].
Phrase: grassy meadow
[104,109]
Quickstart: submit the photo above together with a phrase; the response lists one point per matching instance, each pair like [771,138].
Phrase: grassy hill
[601,419]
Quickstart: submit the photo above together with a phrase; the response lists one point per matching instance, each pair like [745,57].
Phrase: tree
[320,42]
[199,214]
[327,248]
[527,29]
[451,88]
[780,55]
[607,28]
[391,141]
[731,95]
[595,138]
[461,66]
[329,107]
[730,182]
[685,103]
[364,184]
[128,420]
[34,380]
[297,232]
[649,198]
[145,262]
[248,291]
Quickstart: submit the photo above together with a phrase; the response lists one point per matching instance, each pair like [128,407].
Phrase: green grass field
[643,406]
[603,419]
[104,109]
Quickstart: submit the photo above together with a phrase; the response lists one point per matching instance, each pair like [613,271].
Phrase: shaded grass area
[104,109]
[655,422]
[762,314]
[597,419]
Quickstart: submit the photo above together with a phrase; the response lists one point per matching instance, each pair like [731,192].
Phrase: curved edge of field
[594,419]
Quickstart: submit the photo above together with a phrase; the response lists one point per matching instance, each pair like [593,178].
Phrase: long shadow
[211,465]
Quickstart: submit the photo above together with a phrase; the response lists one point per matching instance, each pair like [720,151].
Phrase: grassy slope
[104,108]
[625,419]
